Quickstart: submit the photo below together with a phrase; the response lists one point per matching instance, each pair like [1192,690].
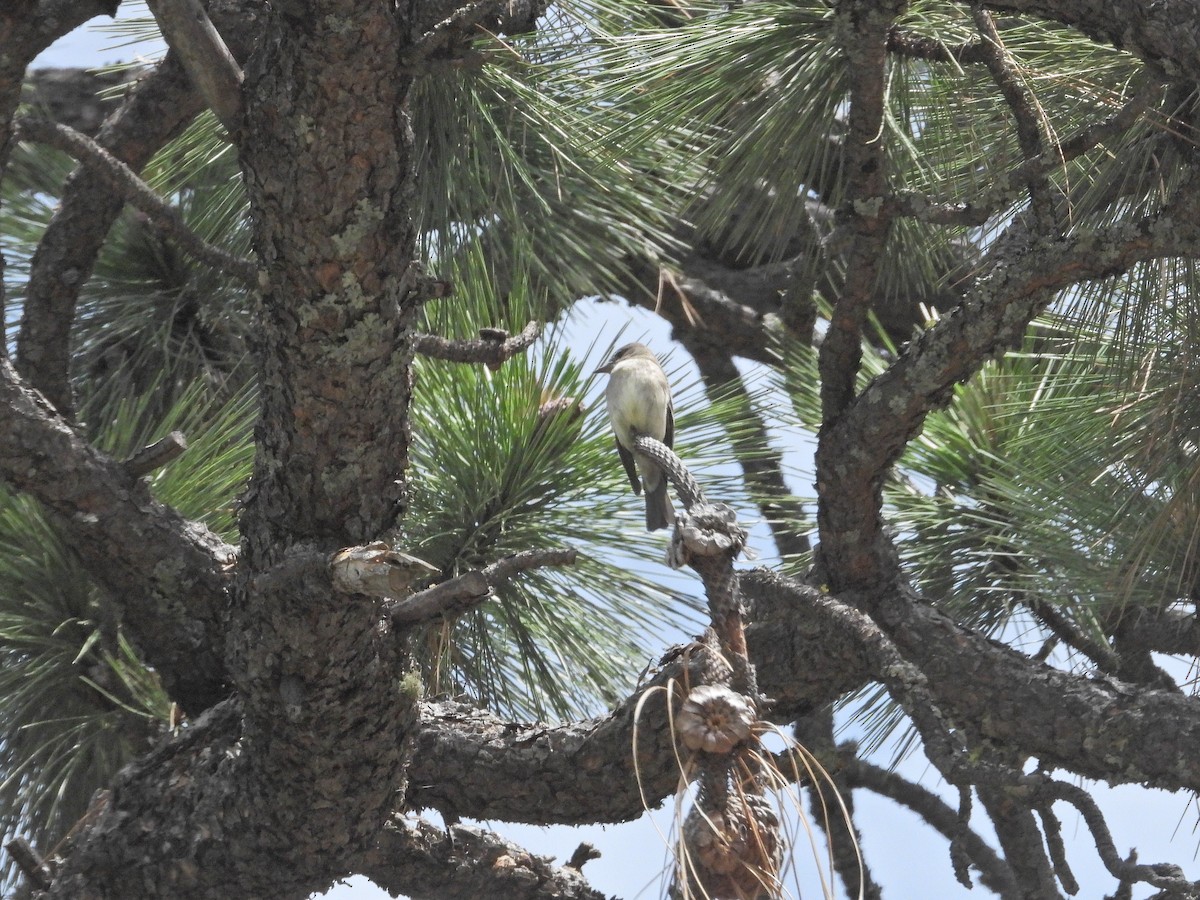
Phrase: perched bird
[639,402]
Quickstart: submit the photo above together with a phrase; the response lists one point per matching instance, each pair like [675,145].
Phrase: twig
[136,191]
[1058,852]
[944,744]
[156,455]
[30,862]
[212,68]
[459,594]
[1161,875]
[1024,107]
[960,858]
[995,873]
[1105,658]
[1017,831]
[492,348]
[1008,187]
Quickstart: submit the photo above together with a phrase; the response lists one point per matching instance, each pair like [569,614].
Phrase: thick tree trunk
[274,795]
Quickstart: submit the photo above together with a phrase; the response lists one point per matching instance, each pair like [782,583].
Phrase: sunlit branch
[137,192]
[463,592]
[420,860]
[156,455]
[186,27]
[493,346]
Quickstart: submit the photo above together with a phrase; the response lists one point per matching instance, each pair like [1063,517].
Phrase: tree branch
[1021,840]
[740,307]
[170,575]
[1160,631]
[454,32]
[464,592]
[1004,190]
[468,762]
[492,348]
[155,111]
[856,772]
[1118,733]
[1165,33]
[864,28]
[1165,876]
[471,763]
[421,861]
[1024,107]
[80,98]
[137,193]
[159,107]
[1020,276]
[26,29]
[213,70]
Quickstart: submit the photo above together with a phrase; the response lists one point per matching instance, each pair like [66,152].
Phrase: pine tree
[310,516]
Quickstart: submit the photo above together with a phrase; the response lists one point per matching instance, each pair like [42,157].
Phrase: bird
[638,397]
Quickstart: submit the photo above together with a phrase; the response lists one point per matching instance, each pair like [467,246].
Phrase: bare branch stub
[214,71]
[156,455]
[463,592]
[583,854]
[422,860]
[30,862]
[492,347]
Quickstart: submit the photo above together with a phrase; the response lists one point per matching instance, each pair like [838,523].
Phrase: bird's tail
[659,512]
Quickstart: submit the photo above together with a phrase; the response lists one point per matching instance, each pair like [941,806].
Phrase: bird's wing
[669,436]
[630,467]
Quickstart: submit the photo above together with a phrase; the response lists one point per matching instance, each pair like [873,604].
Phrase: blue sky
[906,857]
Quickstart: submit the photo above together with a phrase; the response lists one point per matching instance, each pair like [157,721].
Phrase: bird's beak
[605,369]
